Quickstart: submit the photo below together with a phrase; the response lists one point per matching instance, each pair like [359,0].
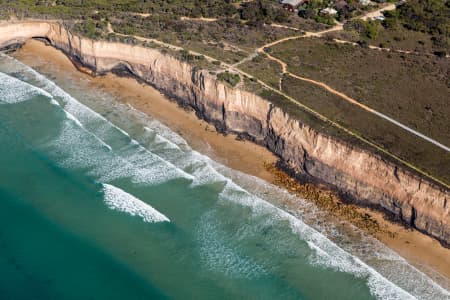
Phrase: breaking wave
[158,155]
[120,200]
[128,159]
[219,256]
[22,91]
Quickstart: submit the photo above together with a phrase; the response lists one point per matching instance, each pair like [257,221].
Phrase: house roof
[293,3]
[341,4]
[329,11]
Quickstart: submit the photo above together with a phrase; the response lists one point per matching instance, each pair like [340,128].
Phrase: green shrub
[365,29]
[230,78]
[371,30]
[324,20]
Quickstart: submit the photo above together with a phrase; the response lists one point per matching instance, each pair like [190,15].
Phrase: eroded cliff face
[360,174]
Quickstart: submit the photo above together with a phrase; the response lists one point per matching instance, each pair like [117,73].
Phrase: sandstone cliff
[364,176]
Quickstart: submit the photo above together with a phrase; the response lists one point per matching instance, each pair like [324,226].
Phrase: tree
[371,30]
[307,13]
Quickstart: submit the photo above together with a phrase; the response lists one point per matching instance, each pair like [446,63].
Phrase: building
[341,4]
[364,2]
[291,5]
[328,11]
[379,18]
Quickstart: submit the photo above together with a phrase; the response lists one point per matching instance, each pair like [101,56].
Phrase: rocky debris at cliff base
[329,201]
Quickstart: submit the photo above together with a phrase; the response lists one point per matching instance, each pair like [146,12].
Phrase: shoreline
[420,250]
[325,152]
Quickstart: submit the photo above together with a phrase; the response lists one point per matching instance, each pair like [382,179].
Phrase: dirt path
[248,58]
[169,46]
[386,49]
[284,26]
[337,27]
[312,111]
[354,102]
[201,19]
[371,110]
[323,85]
[378,12]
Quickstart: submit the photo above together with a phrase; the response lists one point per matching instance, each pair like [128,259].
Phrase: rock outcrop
[364,176]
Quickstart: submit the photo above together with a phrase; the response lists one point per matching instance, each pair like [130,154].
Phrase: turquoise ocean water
[98,201]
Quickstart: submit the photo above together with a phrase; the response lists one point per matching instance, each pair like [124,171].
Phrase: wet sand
[420,250]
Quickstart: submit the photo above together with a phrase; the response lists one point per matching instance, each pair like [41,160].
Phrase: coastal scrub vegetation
[420,26]
[365,29]
[381,132]
[420,85]
[231,78]
[346,10]
[258,13]
[264,69]
[225,30]
[409,88]
[254,13]
[83,8]
[430,17]
[225,33]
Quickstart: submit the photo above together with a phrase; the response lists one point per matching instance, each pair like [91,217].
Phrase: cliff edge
[361,175]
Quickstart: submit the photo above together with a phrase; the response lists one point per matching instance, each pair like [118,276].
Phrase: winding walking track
[338,27]
[335,92]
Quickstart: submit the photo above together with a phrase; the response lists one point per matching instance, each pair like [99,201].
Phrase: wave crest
[120,200]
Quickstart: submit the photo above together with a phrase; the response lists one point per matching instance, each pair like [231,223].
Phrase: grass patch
[409,88]
[216,51]
[264,69]
[230,78]
[403,39]
[397,141]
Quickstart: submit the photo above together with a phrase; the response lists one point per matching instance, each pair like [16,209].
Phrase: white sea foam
[76,148]
[160,142]
[150,169]
[13,90]
[132,160]
[72,117]
[122,201]
[327,253]
[205,171]
[77,122]
[160,129]
[370,250]
[54,102]
[219,256]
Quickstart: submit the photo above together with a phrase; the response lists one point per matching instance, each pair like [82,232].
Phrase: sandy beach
[227,149]
[420,250]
